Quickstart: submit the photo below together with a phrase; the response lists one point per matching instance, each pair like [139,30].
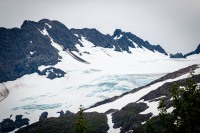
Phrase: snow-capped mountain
[44,66]
[24,49]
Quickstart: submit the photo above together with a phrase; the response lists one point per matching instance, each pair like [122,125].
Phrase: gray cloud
[174,24]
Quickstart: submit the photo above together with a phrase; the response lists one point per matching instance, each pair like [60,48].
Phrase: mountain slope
[23,50]
[45,66]
[197,51]
[129,111]
[180,55]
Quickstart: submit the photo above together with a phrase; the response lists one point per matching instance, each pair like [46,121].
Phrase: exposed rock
[94,36]
[8,125]
[121,44]
[53,73]
[197,51]
[177,55]
[95,123]
[43,116]
[165,90]
[128,118]
[19,122]
[180,55]
[16,46]
[23,50]
[68,113]
[111,111]
[61,113]
[140,43]
[3,92]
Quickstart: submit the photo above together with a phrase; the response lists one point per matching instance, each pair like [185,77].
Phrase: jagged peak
[85,29]
[28,23]
[198,49]
[117,33]
[44,21]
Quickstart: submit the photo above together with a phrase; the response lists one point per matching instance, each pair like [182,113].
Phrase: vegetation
[94,122]
[185,115]
[80,124]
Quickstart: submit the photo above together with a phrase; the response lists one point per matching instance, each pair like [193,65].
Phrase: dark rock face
[61,113]
[68,113]
[43,116]
[122,43]
[197,51]
[180,55]
[128,118]
[177,55]
[94,36]
[53,73]
[8,125]
[15,47]
[23,50]
[95,123]
[127,37]
[165,90]
[111,111]
[61,34]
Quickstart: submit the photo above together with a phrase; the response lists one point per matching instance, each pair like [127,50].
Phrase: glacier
[108,73]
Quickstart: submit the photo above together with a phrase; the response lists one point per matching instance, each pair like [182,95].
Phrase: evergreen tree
[149,128]
[80,124]
[186,114]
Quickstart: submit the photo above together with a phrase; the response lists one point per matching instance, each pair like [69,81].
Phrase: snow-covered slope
[121,102]
[137,97]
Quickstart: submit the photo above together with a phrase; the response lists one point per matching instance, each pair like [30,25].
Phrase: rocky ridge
[24,49]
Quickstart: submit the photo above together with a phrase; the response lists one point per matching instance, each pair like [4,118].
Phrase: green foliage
[186,114]
[80,124]
[162,108]
[149,127]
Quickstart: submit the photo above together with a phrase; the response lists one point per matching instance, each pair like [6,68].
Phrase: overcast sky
[174,24]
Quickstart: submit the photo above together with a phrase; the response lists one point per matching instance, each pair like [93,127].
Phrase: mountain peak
[44,21]
[198,49]
[117,33]
[26,23]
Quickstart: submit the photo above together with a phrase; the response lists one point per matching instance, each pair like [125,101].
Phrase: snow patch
[42,67]
[136,46]
[48,25]
[118,37]
[44,32]
[152,108]
[76,35]
[111,124]
[32,52]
